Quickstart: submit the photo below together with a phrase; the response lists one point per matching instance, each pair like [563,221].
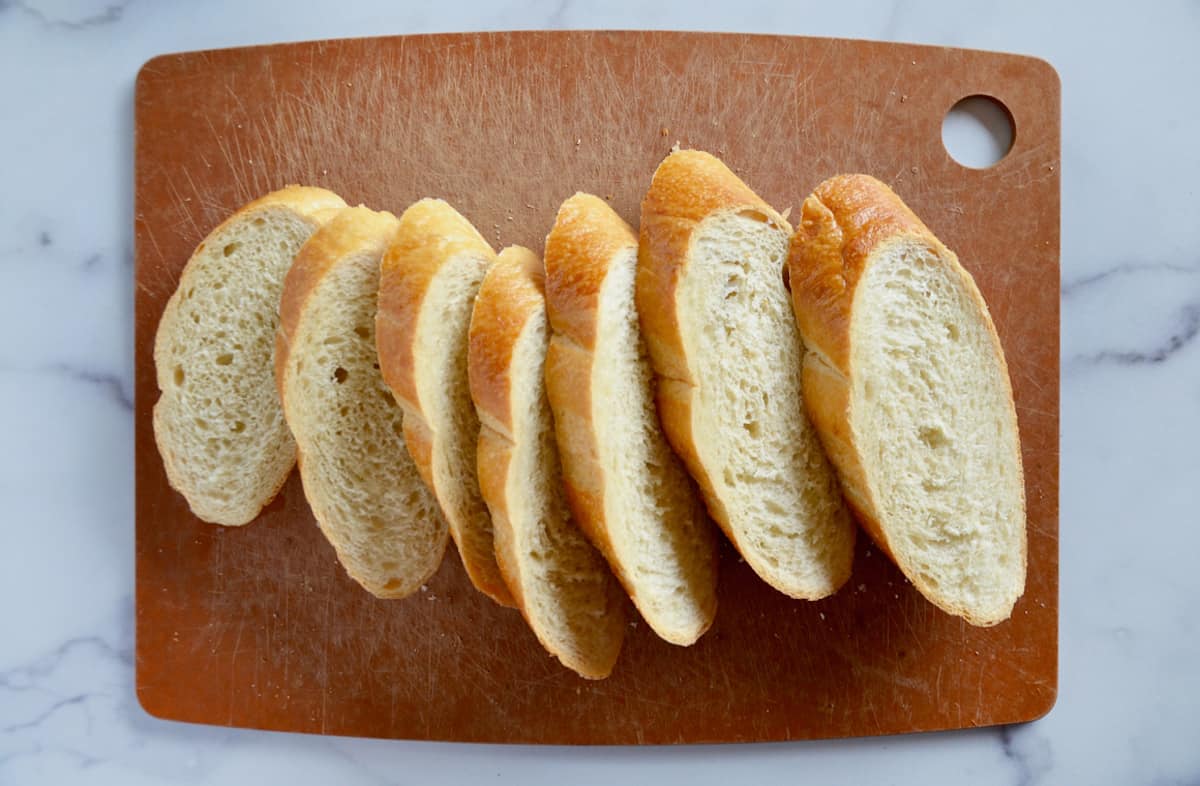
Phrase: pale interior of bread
[219,421]
[657,529]
[363,486]
[934,425]
[441,378]
[571,599]
[779,495]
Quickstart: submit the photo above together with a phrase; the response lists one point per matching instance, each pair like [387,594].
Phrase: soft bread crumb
[218,422]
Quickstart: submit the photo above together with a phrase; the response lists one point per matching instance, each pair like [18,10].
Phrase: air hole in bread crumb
[201,423]
[259,221]
[392,584]
[340,374]
[230,248]
[933,436]
[952,331]
[756,215]
[238,427]
[389,566]
[179,376]
[787,279]
[363,332]
[191,291]
[387,397]
[332,341]
[224,359]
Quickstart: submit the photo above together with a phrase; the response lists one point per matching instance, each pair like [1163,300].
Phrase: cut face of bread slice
[907,383]
[218,422]
[428,281]
[561,584]
[627,490]
[725,347]
[363,487]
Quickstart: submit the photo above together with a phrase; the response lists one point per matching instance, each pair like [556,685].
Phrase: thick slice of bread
[716,316]
[906,382]
[560,582]
[627,490]
[218,423]
[361,483]
[427,284]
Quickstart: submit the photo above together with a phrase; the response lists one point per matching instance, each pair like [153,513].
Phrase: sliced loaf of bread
[218,422]
[627,489]
[363,487]
[559,581]
[427,285]
[717,319]
[907,384]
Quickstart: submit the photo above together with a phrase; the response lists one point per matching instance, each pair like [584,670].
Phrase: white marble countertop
[1129,701]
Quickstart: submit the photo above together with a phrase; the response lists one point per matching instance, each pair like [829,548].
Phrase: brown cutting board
[259,626]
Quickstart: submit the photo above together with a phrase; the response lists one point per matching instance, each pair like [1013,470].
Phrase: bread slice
[427,284]
[363,487]
[559,581]
[217,422]
[627,490]
[907,384]
[715,312]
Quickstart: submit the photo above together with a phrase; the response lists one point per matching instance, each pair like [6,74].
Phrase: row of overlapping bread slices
[577,422]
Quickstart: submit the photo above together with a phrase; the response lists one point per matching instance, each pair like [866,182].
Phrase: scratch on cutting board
[329,124]
[287,626]
[237,645]
[325,660]
[154,241]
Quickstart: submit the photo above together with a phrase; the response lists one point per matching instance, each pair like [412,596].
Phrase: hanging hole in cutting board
[978,132]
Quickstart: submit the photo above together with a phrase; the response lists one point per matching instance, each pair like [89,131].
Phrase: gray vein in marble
[113,385]
[109,13]
[1187,331]
[1031,762]
[1070,288]
[892,23]
[557,18]
[1024,772]
[34,675]
[47,663]
[85,761]
[1187,319]
[70,701]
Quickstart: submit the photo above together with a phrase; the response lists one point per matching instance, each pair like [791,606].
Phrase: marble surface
[1129,702]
